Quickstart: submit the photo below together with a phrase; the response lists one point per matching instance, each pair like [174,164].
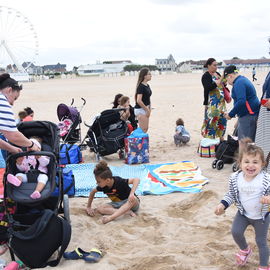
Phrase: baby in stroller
[27,166]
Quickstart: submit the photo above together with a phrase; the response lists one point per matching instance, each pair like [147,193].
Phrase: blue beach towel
[151,180]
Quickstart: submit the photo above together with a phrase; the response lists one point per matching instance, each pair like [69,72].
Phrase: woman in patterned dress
[214,124]
[262,138]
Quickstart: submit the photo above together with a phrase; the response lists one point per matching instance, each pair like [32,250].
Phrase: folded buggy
[225,153]
[106,135]
[35,230]
[70,120]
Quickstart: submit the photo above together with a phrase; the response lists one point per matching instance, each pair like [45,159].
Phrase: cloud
[174,2]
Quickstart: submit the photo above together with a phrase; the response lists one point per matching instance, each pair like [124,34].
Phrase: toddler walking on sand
[249,189]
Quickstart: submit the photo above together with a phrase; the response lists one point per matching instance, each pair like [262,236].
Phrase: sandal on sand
[76,254]
[242,256]
[94,256]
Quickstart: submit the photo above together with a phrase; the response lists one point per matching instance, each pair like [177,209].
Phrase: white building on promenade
[105,67]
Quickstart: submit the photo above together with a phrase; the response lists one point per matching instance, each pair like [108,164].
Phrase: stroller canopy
[48,132]
[64,111]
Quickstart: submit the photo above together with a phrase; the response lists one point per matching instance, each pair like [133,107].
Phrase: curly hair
[102,170]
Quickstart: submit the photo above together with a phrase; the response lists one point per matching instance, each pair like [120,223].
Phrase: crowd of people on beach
[249,187]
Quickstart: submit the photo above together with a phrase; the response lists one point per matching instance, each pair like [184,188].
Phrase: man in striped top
[9,93]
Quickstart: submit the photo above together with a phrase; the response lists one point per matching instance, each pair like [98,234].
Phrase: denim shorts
[117,205]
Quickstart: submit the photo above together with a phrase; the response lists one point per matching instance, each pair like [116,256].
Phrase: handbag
[68,183]
[70,154]
[137,147]
[227,95]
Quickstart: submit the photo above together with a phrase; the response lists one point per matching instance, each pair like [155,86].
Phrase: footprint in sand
[187,208]
[146,220]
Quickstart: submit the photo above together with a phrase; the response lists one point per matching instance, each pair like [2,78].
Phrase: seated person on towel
[123,198]
[25,163]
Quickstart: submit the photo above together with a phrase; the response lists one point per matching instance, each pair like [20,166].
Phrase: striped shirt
[233,195]
[7,120]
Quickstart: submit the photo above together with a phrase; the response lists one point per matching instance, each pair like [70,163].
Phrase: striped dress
[263,127]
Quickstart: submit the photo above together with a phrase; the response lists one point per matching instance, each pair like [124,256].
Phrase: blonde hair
[248,147]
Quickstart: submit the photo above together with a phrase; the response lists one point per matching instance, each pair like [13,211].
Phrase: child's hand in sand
[265,199]
[220,209]
[90,211]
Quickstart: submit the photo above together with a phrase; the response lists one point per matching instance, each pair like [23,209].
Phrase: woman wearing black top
[132,118]
[214,125]
[142,98]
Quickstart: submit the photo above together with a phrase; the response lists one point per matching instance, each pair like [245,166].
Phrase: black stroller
[70,120]
[25,224]
[225,153]
[106,135]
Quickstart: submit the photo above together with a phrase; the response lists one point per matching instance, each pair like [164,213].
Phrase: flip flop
[94,256]
[76,254]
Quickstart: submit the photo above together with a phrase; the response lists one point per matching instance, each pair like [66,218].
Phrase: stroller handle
[86,124]
[84,101]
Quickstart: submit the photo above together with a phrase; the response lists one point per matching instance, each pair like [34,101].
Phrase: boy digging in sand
[123,198]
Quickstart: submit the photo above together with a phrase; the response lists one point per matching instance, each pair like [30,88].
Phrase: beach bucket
[207,147]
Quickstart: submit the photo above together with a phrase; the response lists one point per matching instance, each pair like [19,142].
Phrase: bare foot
[106,219]
[132,214]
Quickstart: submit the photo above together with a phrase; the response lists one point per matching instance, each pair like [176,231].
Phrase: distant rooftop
[117,62]
[247,61]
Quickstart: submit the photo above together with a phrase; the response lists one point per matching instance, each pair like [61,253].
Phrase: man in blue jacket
[246,103]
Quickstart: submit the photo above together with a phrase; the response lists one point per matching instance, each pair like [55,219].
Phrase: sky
[86,31]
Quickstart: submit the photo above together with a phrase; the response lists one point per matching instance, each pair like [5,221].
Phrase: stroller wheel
[220,164]
[235,167]
[66,208]
[121,154]
[214,163]
[98,158]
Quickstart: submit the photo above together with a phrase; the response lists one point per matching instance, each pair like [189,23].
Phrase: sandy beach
[176,231]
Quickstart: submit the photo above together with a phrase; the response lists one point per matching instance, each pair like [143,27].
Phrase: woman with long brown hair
[142,98]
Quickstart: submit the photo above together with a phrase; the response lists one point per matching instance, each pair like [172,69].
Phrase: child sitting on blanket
[123,198]
[25,163]
[181,134]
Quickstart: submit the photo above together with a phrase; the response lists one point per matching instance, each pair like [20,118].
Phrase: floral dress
[214,124]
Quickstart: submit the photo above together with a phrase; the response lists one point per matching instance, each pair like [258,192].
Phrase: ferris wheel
[18,41]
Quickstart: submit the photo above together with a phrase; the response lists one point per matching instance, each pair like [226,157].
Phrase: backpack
[68,183]
[35,245]
[70,154]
